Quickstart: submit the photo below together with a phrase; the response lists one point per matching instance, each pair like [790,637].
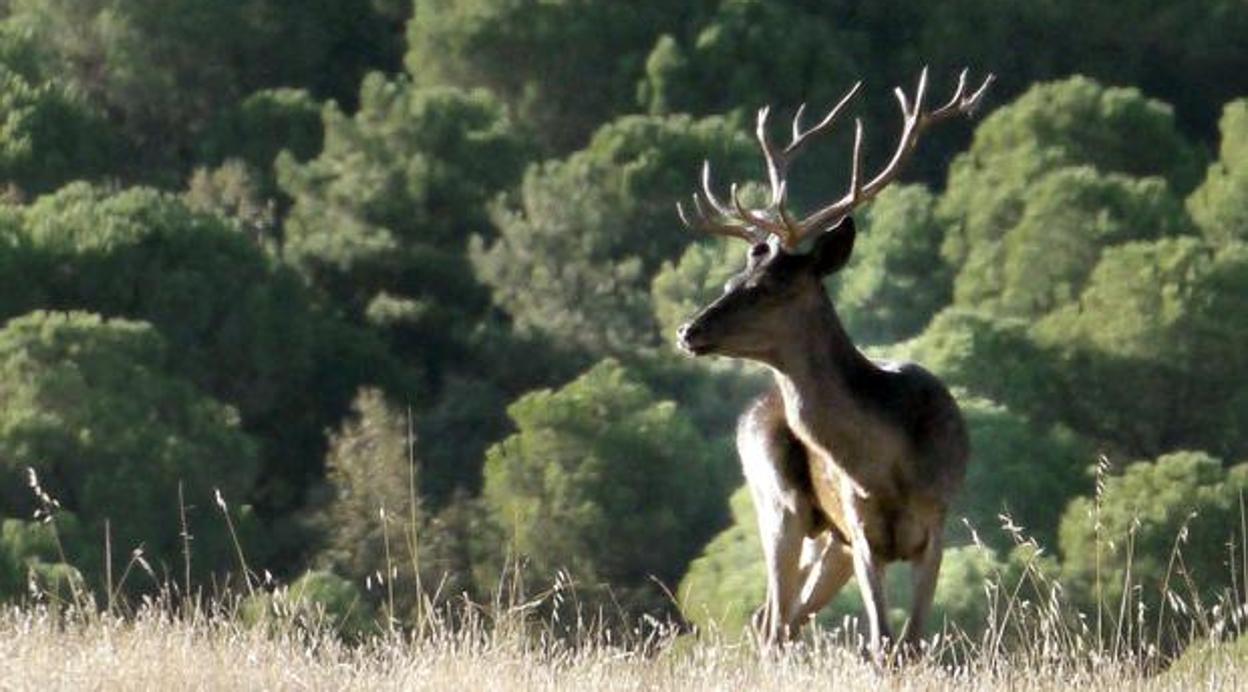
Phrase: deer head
[760,307]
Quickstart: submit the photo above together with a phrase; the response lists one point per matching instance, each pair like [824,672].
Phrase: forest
[378,297]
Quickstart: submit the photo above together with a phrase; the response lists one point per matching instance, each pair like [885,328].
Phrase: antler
[754,225]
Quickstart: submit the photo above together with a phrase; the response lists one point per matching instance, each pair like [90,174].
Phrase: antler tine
[800,138]
[703,223]
[778,162]
[718,219]
[709,194]
[960,104]
[914,122]
[754,225]
[855,173]
[780,227]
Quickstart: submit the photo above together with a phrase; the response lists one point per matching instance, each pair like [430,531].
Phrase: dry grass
[46,650]
[1033,639]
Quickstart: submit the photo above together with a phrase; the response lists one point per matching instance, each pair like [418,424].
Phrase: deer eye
[759,250]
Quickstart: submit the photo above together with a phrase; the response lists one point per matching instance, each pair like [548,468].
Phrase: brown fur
[849,460]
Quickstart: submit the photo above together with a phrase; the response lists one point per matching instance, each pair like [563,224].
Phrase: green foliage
[795,56]
[728,580]
[242,326]
[377,529]
[50,135]
[977,585]
[30,556]
[1069,216]
[318,600]
[371,471]
[576,257]
[379,226]
[381,217]
[1169,522]
[233,192]
[563,66]
[1017,468]
[1157,328]
[263,125]
[1072,123]
[164,69]
[140,436]
[20,277]
[1187,52]
[896,279]
[1220,205]
[597,466]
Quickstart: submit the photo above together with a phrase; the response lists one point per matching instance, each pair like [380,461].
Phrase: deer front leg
[781,533]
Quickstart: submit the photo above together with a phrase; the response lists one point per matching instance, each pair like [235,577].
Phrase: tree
[163,70]
[382,215]
[1183,506]
[896,280]
[1220,205]
[581,58]
[795,56]
[1071,123]
[380,225]
[992,357]
[728,580]
[374,515]
[260,127]
[30,554]
[603,480]
[140,437]
[50,135]
[1068,217]
[377,528]
[575,256]
[1019,470]
[244,328]
[316,602]
[1156,329]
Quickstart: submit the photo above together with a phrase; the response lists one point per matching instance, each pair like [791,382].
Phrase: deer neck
[816,370]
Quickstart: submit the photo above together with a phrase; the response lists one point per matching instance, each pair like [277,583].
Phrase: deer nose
[686,338]
[684,332]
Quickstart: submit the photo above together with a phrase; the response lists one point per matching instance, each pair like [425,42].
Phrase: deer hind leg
[926,568]
[869,571]
[833,567]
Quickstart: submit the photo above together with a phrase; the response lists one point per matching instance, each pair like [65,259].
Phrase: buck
[851,463]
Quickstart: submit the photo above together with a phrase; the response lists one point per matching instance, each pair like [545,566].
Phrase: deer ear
[833,247]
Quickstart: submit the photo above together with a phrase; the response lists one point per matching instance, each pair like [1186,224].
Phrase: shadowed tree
[1184,501]
[1220,205]
[896,279]
[1071,123]
[596,466]
[562,66]
[576,254]
[243,327]
[141,437]
[1158,329]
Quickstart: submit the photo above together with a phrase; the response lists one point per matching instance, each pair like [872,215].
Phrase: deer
[851,463]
